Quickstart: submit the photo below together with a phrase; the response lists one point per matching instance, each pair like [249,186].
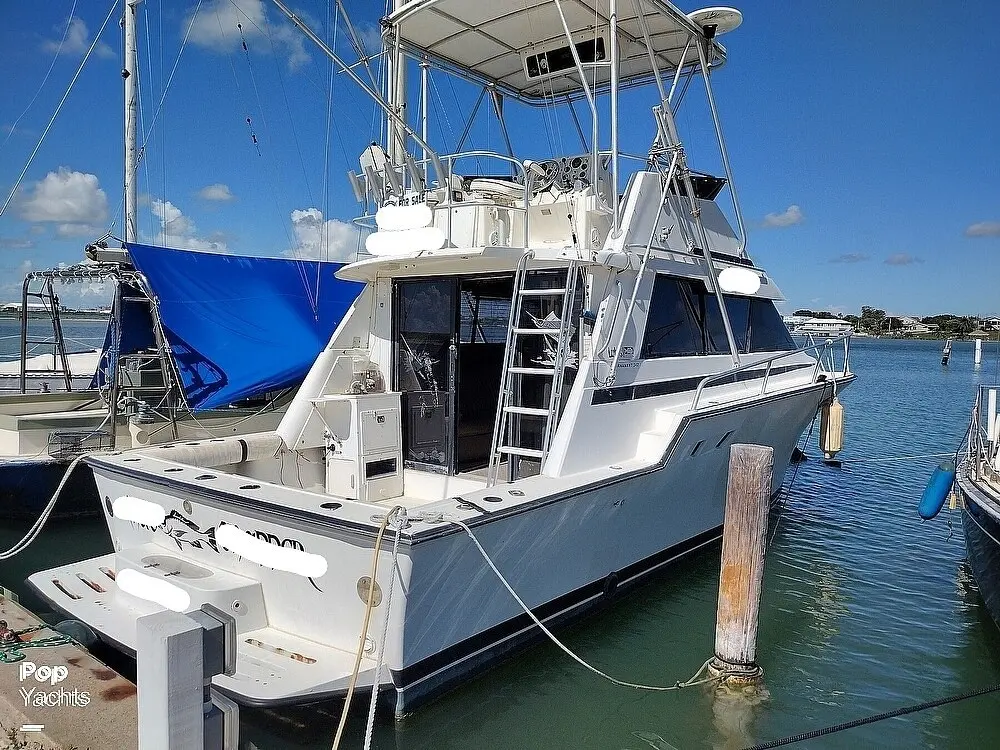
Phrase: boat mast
[130,76]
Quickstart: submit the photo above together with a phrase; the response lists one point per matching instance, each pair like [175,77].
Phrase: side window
[768,332]
[739,318]
[684,320]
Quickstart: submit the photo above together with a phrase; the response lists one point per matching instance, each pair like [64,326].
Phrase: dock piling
[176,657]
[946,352]
[744,531]
[979,351]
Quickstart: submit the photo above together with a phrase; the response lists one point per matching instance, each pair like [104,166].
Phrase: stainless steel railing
[825,364]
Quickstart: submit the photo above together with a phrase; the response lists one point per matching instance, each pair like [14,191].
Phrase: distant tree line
[875,321]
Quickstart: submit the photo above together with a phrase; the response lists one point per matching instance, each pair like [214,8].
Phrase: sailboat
[528,408]
[198,345]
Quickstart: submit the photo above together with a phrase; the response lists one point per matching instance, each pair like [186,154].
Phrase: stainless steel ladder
[507,431]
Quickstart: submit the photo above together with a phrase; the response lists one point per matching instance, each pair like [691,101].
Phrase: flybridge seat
[498,189]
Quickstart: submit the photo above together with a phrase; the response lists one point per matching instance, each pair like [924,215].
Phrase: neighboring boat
[198,345]
[978,482]
[831,327]
[537,361]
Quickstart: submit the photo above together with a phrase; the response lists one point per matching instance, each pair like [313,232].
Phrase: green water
[865,609]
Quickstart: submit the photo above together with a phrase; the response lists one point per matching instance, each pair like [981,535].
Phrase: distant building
[991,324]
[912,326]
[821,327]
[15,307]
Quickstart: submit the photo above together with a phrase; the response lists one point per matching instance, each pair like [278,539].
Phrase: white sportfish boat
[551,363]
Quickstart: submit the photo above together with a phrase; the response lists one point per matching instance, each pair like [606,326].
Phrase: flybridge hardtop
[522,49]
[564,349]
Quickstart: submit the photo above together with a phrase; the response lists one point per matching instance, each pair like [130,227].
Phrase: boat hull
[981,524]
[27,485]
[565,553]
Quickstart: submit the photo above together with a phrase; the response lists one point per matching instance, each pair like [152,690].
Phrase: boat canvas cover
[130,330]
[238,326]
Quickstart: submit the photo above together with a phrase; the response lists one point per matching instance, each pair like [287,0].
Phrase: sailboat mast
[130,75]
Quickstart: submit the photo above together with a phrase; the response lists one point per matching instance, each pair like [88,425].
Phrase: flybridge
[521,49]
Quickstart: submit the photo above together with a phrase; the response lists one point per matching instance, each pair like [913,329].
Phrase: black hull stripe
[666,387]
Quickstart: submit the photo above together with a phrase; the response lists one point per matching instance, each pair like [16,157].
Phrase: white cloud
[901,259]
[77,40]
[370,36]
[68,197]
[215,28]
[983,229]
[177,230]
[78,230]
[323,240]
[788,217]
[16,243]
[217,192]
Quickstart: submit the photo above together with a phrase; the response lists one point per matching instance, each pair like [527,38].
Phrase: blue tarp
[239,326]
[136,334]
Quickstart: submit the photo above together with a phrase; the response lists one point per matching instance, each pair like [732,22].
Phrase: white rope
[693,680]
[37,527]
[55,114]
[369,606]
[399,523]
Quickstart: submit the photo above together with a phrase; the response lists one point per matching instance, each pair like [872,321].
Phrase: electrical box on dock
[364,459]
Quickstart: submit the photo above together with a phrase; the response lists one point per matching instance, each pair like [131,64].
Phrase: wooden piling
[743,540]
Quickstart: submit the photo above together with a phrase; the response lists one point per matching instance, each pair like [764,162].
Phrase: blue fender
[937,489]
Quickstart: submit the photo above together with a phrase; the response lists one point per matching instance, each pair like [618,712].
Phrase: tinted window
[767,330]
[739,319]
[684,319]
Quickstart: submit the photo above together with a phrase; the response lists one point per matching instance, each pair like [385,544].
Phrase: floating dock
[60,695]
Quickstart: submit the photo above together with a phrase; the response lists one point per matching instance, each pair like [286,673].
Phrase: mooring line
[872,719]
[695,679]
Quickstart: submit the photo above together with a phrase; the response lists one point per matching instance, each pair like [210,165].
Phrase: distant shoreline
[63,315]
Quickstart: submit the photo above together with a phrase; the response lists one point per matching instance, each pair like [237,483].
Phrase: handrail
[824,347]
[526,175]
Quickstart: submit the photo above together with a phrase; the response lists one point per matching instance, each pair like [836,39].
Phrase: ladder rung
[514,451]
[532,370]
[39,341]
[542,292]
[531,411]
[536,331]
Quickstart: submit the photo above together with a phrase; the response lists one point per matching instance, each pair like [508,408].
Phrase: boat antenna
[378,98]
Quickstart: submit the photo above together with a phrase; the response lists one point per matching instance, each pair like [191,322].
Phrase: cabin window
[757,326]
[768,332]
[684,320]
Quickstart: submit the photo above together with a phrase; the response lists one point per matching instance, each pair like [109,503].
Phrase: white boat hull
[449,614]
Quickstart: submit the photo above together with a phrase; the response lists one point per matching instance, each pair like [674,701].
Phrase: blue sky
[863,140]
